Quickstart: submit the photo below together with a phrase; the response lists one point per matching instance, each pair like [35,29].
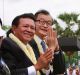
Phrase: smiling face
[25,30]
[43,22]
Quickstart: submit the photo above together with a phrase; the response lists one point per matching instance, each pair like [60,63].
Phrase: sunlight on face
[25,30]
[43,22]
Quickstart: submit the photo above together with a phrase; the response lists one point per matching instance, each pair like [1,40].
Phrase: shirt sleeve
[57,52]
[31,70]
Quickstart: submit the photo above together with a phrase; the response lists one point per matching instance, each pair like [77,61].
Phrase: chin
[44,34]
[29,39]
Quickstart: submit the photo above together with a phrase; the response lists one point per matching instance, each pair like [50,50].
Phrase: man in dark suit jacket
[4,70]
[16,52]
[44,22]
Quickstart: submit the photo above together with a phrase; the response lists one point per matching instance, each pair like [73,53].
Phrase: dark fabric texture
[4,70]
[15,58]
[59,63]
[35,48]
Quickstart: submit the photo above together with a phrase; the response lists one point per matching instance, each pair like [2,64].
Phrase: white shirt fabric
[40,40]
[74,72]
[57,52]
[31,70]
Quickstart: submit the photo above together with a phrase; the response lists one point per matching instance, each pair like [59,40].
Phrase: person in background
[16,51]
[4,70]
[77,70]
[45,32]
[0,22]
[2,32]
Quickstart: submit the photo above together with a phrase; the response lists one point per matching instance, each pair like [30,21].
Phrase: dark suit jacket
[58,61]
[35,48]
[15,58]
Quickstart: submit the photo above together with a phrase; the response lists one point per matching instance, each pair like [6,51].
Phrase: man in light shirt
[45,33]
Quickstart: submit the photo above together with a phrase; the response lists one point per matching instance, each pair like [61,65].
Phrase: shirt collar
[39,39]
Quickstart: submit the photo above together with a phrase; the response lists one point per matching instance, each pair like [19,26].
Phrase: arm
[18,63]
[16,68]
[24,71]
[43,61]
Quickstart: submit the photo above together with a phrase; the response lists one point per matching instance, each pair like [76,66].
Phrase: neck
[22,40]
[40,36]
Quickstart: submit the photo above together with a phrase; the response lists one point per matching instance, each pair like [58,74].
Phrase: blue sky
[11,8]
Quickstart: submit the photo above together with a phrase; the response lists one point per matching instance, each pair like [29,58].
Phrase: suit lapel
[35,48]
[38,44]
[18,53]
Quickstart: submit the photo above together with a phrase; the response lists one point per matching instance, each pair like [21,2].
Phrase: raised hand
[44,60]
[51,39]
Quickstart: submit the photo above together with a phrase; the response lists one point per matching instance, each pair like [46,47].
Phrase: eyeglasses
[42,22]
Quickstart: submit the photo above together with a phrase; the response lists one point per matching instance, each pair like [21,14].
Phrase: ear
[14,29]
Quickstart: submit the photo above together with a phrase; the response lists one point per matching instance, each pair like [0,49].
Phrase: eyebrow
[44,19]
[41,18]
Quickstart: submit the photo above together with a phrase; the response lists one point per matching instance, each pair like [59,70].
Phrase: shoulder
[6,40]
[32,43]
[7,44]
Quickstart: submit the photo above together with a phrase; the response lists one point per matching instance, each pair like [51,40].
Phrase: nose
[45,24]
[29,29]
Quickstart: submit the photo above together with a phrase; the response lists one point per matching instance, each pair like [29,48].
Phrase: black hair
[16,20]
[0,21]
[41,11]
[45,12]
[26,15]
[8,32]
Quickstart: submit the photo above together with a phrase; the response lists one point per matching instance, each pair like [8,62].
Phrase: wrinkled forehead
[46,17]
[26,21]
